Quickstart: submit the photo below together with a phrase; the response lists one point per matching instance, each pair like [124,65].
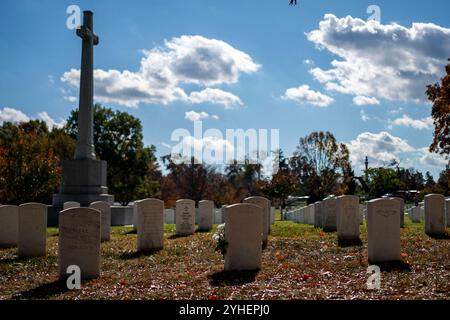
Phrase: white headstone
[264,203]
[243,233]
[185,217]
[383,230]
[206,210]
[150,225]
[272,215]
[32,230]
[415,214]
[169,216]
[71,204]
[105,210]
[348,218]
[402,210]
[435,214]
[9,224]
[329,207]
[79,241]
[317,214]
[447,210]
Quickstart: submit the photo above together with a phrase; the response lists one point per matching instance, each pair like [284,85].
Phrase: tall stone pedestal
[83,181]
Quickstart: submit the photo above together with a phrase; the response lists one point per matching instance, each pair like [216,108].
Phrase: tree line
[31,153]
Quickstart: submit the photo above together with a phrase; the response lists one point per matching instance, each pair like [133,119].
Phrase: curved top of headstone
[83,211]
[434,195]
[185,200]
[33,204]
[4,206]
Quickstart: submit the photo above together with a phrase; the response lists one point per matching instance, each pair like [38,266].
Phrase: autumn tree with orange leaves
[439,95]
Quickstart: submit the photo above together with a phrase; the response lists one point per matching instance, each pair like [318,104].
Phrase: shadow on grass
[177,236]
[328,230]
[44,291]
[137,255]
[132,231]
[439,236]
[394,266]
[349,243]
[16,259]
[202,231]
[232,278]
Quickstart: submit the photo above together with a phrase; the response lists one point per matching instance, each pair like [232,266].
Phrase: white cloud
[381,148]
[210,142]
[365,101]
[215,117]
[195,116]
[164,70]
[12,115]
[389,61]
[215,96]
[364,116]
[17,116]
[71,98]
[304,95]
[308,62]
[49,121]
[432,159]
[419,124]
[166,145]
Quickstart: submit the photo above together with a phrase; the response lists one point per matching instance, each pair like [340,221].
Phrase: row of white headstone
[384,219]
[81,230]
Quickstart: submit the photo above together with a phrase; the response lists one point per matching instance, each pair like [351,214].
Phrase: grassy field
[300,262]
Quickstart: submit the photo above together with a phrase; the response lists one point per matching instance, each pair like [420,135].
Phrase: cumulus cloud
[381,148]
[12,115]
[195,116]
[365,101]
[210,142]
[164,70]
[17,116]
[419,124]
[304,95]
[215,96]
[51,123]
[383,61]
[432,159]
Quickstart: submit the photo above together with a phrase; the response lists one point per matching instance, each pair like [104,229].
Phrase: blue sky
[266,65]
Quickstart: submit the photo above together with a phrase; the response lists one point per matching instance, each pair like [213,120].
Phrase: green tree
[132,168]
[383,181]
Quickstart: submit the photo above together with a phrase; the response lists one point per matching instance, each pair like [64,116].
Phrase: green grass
[300,262]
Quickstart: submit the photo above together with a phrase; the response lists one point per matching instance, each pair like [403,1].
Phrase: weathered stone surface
[185,217]
[435,214]
[105,210]
[243,233]
[70,205]
[9,226]
[206,210]
[32,230]
[402,210]
[348,218]
[264,203]
[79,241]
[383,230]
[150,222]
[447,210]
[330,221]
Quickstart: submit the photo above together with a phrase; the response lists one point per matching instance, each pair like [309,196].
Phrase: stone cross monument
[84,177]
[85,142]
